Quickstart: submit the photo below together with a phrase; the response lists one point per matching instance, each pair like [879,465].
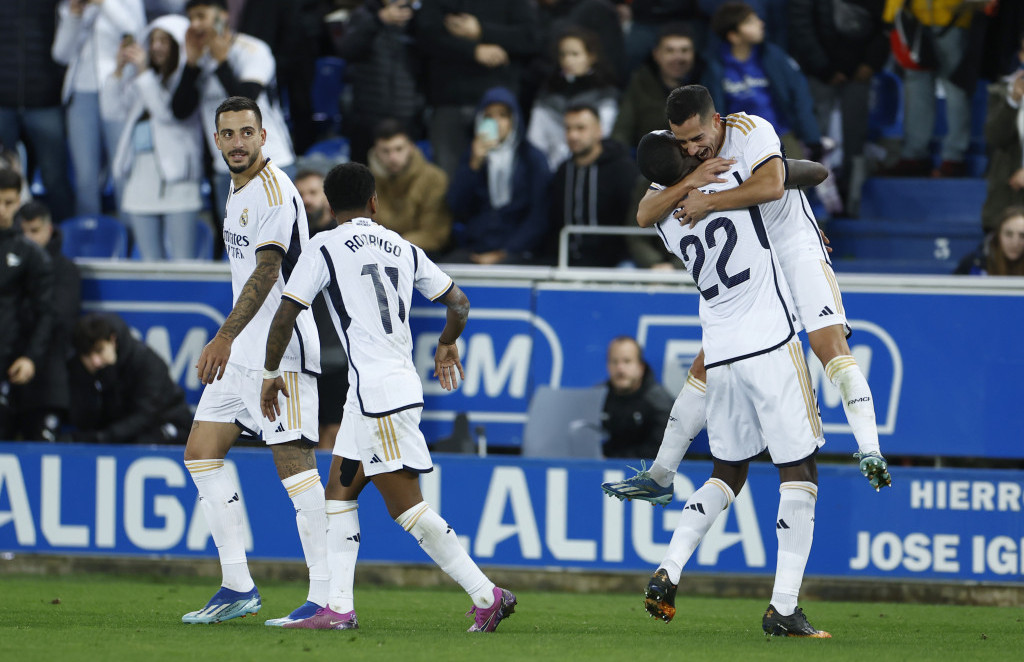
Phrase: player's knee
[805,471]
[733,475]
[348,471]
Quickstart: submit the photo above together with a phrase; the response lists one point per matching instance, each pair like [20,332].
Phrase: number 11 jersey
[367,273]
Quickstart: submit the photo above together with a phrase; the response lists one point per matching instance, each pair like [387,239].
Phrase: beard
[240,169]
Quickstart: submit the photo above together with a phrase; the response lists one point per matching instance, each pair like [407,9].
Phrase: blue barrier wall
[941,353]
[136,501]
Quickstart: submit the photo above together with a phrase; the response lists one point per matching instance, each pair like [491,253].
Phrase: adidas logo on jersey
[374,459]
[695,506]
[825,312]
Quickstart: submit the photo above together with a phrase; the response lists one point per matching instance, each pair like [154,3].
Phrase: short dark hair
[582,108]
[237,105]
[686,101]
[10,179]
[307,172]
[388,128]
[674,29]
[728,18]
[32,210]
[349,186]
[89,330]
[222,4]
[659,158]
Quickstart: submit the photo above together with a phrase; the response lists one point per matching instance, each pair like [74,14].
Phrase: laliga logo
[871,345]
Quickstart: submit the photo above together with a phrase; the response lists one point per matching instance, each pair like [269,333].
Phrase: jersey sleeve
[309,276]
[279,219]
[429,280]
[760,142]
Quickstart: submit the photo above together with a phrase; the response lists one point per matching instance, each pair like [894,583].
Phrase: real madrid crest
[243,220]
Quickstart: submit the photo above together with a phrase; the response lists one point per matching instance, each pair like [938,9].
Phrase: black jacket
[822,50]
[26,300]
[454,78]
[29,78]
[131,401]
[635,422]
[598,194]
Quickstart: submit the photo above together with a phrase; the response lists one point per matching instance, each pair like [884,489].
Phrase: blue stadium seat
[95,236]
[328,84]
[885,117]
[427,148]
[335,150]
[204,240]
[924,199]
[892,240]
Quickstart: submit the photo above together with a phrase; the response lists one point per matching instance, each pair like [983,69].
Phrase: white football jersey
[752,141]
[267,214]
[746,307]
[368,273]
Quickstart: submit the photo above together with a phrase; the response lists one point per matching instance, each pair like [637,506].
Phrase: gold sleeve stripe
[272,242]
[416,517]
[272,188]
[772,155]
[296,299]
[743,119]
[722,486]
[805,388]
[443,290]
[341,512]
[696,383]
[836,294]
[266,189]
[394,438]
[810,489]
[736,125]
[307,484]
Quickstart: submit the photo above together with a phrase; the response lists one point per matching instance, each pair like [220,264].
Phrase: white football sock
[342,551]
[689,414]
[439,541]
[700,512]
[795,530]
[307,495]
[846,375]
[218,497]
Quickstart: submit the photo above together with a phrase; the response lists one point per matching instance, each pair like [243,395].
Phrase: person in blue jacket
[747,74]
[499,194]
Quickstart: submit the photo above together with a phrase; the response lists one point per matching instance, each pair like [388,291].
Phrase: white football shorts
[816,293]
[765,401]
[235,398]
[386,444]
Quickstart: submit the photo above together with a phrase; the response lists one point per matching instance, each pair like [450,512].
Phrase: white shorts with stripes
[385,444]
[765,401]
[816,293]
[235,398]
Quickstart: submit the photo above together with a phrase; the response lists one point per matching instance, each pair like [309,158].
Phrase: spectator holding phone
[87,39]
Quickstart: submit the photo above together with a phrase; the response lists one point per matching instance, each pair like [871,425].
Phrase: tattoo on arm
[253,294]
[280,332]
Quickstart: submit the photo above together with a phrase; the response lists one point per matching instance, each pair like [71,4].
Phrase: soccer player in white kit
[758,395]
[264,231]
[368,273]
[750,146]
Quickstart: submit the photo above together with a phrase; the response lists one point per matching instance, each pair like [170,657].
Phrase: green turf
[98,617]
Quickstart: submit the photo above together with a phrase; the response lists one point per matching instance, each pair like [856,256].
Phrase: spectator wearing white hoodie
[158,161]
[87,38]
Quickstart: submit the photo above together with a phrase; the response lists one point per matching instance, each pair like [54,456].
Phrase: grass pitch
[96,617]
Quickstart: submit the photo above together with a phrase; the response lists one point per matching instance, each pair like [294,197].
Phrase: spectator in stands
[411,191]
[26,313]
[1004,133]
[310,185]
[378,47]
[773,12]
[220,63]
[643,21]
[470,47]
[158,161]
[1002,251]
[121,391]
[47,397]
[637,407]
[674,62]
[948,22]
[746,74]
[500,192]
[840,52]
[30,97]
[582,79]
[10,159]
[593,187]
[88,34]
[597,16]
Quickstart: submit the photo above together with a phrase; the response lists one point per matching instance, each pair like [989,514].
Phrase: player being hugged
[367,274]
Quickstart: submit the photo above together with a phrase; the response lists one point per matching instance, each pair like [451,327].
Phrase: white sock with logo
[846,375]
[700,512]
[689,414]
[218,497]
[795,530]
[307,495]
[439,541]
[342,552]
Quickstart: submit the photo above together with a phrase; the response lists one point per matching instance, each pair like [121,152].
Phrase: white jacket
[102,24]
[177,144]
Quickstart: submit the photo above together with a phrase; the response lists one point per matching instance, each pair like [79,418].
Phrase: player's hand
[213,359]
[220,44]
[875,469]
[465,26]
[708,172]
[446,365]
[268,397]
[195,44]
[696,206]
[490,55]
[824,238]
[22,370]
[1017,180]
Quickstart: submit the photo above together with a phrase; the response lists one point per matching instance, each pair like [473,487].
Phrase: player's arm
[446,358]
[214,358]
[277,341]
[657,204]
[804,173]
[765,185]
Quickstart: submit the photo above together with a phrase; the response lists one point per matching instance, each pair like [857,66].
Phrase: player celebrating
[758,395]
[752,144]
[367,273]
[264,231]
